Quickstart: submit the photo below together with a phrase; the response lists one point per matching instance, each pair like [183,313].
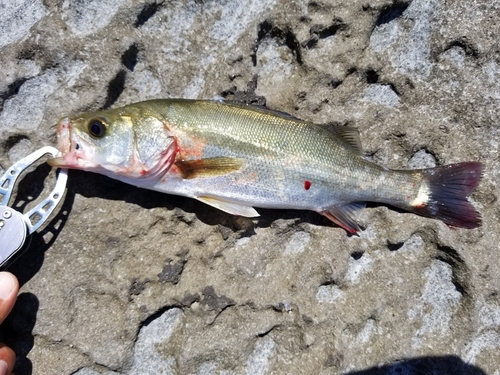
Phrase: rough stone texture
[126,281]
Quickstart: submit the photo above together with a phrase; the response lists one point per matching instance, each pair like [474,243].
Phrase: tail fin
[446,191]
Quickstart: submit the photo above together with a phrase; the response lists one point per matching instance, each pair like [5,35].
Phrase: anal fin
[229,207]
[345,215]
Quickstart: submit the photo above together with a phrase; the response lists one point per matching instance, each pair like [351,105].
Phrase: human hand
[9,287]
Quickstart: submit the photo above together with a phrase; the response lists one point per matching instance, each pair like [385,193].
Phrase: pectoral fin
[229,207]
[208,167]
[345,216]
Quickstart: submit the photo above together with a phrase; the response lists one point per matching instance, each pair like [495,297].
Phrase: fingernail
[6,286]
[3,367]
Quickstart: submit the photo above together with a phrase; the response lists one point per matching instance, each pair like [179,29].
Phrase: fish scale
[313,152]
[236,157]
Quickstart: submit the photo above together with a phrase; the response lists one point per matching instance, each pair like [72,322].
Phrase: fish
[235,157]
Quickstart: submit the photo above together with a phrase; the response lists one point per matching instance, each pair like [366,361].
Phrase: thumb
[9,287]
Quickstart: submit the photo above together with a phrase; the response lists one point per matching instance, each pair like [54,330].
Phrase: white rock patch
[17,17]
[147,360]
[437,303]
[258,363]
[328,293]
[297,243]
[381,94]
[357,267]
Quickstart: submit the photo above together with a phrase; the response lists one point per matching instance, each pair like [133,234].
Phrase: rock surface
[126,281]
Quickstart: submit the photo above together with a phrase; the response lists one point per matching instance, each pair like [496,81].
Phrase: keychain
[15,227]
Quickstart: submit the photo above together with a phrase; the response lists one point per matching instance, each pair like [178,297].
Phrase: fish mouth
[71,148]
[63,144]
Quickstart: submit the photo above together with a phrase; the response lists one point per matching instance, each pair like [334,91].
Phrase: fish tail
[444,191]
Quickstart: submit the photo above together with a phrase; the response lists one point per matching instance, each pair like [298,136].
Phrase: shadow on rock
[29,261]
[16,331]
[439,365]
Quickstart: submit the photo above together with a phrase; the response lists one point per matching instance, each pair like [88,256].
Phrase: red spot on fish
[143,172]
[408,197]
[420,205]
[414,184]
[307,184]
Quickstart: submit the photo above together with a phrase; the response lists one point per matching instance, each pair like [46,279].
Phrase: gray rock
[17,19]
[128,281]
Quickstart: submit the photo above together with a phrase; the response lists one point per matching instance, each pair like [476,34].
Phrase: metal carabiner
[15,227]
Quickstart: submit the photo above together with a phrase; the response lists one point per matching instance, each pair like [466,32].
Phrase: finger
[9,287]
[7,356]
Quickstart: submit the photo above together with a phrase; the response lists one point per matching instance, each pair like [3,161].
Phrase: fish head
[125,143]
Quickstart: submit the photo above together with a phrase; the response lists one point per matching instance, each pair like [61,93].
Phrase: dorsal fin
[349,135]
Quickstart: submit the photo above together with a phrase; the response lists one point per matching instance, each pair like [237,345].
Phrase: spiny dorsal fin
[349,135]
[229,207]
[209,167]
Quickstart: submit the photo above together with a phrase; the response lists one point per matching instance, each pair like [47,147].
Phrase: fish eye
[97,128]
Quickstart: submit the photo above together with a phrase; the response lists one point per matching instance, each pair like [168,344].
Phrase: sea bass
[236,157]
